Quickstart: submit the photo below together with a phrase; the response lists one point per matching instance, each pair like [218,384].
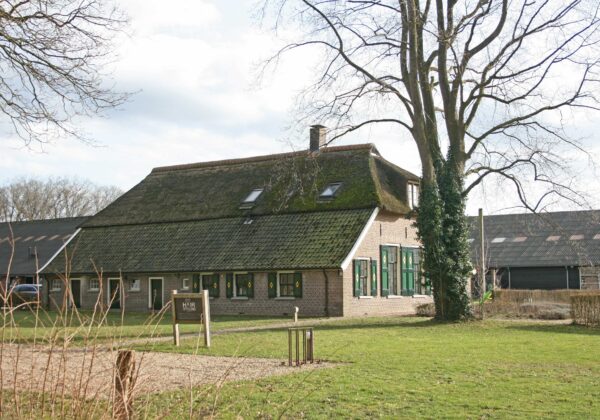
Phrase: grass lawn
[409,367]
[22,326]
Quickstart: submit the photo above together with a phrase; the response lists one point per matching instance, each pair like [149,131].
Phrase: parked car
[28,294]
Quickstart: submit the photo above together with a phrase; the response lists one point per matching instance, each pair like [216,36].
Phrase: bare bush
[585,309]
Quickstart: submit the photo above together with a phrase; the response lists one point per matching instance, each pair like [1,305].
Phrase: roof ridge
[54,219]
[263,158]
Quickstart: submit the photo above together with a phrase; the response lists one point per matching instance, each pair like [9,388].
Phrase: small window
[576,237]
[330,190]
[135,285]
[93,285]
[597,236]
[207,281]
[361,277]
[253,196]
[55,285]
[413,196]
[498,240]
[243,283]
[553,238]
[520,239]
[185,284]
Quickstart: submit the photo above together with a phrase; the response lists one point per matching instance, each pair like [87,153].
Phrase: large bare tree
[483,87]
[53,57]
[31,199]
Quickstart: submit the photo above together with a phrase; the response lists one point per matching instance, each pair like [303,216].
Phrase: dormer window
[330,190]
[413,195]
[250,200]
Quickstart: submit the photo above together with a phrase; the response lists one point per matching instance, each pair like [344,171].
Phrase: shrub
[585,309]
[426,309]
[534,296]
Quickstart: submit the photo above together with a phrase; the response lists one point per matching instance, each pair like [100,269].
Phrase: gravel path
[83,373]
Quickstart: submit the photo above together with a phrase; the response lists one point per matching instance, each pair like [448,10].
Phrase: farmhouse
[327,230]
[559,250]
[26,247]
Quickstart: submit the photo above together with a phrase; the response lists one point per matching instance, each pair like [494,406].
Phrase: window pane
[253,196]
[206,281]
[286,284]
[241,284]
[331,189]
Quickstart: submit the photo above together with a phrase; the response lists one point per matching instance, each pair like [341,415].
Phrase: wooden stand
[302,340]
[191,308]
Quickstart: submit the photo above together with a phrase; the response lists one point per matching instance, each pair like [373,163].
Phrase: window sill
[285,298]
[55,290]
[93,290]
[135,291]
[239,298]
[365,297]
[421,296]
[395,297]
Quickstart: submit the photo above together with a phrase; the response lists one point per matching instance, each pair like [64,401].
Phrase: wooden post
[124,381]
[482,253]
[206,317]
[175,324]
[289,347]
[297,348]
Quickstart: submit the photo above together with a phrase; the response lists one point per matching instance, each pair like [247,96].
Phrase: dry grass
[585,309]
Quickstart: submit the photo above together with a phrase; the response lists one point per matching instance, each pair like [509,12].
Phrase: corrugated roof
[537,240]
[292,183]
[283,241]
[39,237]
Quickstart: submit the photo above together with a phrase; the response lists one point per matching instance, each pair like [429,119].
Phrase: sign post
[191,308]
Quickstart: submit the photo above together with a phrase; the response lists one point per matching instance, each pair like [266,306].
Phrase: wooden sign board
[191,308]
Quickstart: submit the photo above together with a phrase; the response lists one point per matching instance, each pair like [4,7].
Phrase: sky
[194,67]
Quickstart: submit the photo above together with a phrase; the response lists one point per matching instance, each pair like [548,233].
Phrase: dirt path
[85,373]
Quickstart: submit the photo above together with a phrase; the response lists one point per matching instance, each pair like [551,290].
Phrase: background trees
[30,199]
[483,87]
[53,56]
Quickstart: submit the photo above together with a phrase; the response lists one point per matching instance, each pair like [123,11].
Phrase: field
[401,367]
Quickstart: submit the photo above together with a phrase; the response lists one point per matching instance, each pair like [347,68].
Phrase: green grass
[21,326]
[411,367]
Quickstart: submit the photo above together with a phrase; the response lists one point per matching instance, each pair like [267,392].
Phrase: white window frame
[398,271]
[89,285]
[368,260]
[108,290]
[253,196]
[334,186]
[235,274]
[56,288]
[185,283]
[412,193]
[162,282]
[278,285]
[136,289]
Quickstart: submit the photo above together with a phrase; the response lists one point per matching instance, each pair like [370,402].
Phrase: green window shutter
[356,278]
[298,285]
[373,277]
[250,285]
[403,272]
[196,283]
[272,285]
[214,286]
[229,285]
[385,288]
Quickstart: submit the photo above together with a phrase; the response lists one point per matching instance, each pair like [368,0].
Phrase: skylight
[470,240]
[576,237]
[39,238]
[520,239]
[553,238]
[498,240]
[53,237]
[253,196]
[330,190]
[597,236]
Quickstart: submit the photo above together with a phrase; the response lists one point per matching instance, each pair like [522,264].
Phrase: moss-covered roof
[292,183]
[188,217]
[312,240]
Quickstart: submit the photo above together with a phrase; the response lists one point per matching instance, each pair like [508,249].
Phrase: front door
[156,292]
[76,292]
[114,293]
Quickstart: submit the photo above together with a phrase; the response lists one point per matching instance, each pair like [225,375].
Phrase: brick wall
[312,302]
[387,229]
[590,278]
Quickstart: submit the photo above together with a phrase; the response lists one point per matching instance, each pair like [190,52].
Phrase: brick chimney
[318,138]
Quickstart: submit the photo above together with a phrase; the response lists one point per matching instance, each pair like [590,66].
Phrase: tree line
[34,199]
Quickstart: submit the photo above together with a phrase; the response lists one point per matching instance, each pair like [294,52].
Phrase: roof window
[330,190]
[576,237]
[597,236]
[498,240]
[553,238]
[253,196]
[520,239]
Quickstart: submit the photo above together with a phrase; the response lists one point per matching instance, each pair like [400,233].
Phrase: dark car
[28,294]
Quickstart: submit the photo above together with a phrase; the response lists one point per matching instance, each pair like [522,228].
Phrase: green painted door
[156,294]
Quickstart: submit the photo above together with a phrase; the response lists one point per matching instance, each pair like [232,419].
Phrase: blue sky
[193,66]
